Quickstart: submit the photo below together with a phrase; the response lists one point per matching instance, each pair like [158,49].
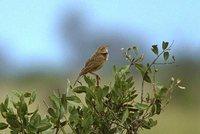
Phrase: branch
[149,67]
[165,63]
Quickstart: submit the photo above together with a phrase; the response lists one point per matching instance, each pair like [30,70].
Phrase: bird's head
[102,50]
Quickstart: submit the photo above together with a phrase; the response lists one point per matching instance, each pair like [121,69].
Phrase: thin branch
[171,88]
[149,67]
[118,124]
[78,97]
[142,91]
[164,63]
[45,104]
[71,128]
[154,80]
[133,61]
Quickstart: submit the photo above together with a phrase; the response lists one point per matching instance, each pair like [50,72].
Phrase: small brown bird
[95,63]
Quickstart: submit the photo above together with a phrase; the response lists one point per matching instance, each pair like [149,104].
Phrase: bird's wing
[93,58]
[93,64]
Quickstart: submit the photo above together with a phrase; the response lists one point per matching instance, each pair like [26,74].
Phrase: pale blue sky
[28,28]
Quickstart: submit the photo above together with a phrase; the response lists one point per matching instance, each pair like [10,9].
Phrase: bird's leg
[97,77]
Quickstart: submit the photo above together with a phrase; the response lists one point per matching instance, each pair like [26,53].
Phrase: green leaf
[64,101]
[12,120]
[3,108]
[99,106]
[17,93]
[173,58]
[158,106]
[88,120]
[141,106]
[24,109]
[89,81]
[125,115]
[3,125]
[146,124]
[155,49]
[141,58]
[74,116]
[149,124]
[74,99]
[32,98]
[163,91]
[166,56]
[147,78]
[142,68]
[130,79]
[80,89]
[6,102]
[159,85]
[135,50]
[152,122]
[105,91]
[31,129]
[164,45]
[128,49]
[99,93]
[25,120]
[43,125]
[124,69]
[52,112]
[35,118]
[27,94]
[153,109]
[62,111]
[55,101]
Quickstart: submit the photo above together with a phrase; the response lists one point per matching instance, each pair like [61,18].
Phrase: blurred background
[43,43]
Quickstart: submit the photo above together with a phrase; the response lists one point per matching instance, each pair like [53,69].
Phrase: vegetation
[114,108]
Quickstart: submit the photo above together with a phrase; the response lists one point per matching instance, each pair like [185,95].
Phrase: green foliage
[108,109]
[155,49]
[18,117]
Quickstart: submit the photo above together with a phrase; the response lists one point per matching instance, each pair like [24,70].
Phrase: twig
[153,62]
[71,128]
[165,63]
[133,61]
[154,79]
[78,97]
[45,104]
[118,124]
[58,121]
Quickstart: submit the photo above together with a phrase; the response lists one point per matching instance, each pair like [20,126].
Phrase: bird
[96,62]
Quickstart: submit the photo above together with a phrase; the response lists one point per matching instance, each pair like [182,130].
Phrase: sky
[28,29]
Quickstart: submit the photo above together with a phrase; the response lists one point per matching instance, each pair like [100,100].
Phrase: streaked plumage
[95,63]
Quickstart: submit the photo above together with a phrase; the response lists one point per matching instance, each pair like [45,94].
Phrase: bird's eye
[104,54]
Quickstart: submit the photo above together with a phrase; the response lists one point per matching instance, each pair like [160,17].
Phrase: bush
[109,109]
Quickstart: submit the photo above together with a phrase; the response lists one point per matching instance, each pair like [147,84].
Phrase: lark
[95,63]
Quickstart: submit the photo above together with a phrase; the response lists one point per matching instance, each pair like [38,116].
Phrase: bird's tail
[77,80]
